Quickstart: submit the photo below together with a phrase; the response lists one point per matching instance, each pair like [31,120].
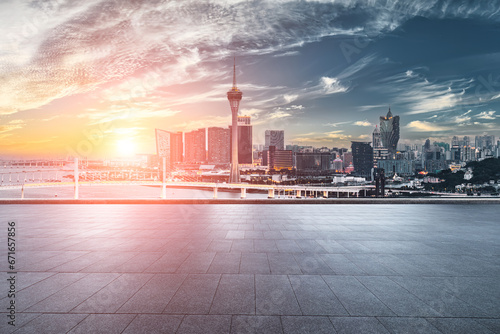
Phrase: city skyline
[102,75]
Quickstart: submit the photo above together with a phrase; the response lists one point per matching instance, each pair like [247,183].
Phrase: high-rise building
[338,165]
[376,141]
[427,145]
[362,158]
[389,131]
[218,145]
[275,138]
[466,141]
[279,159]
[195,146]
[455,153]
[169,145]
[379,151]
[399,167]
[347,158]
[312,161]
[467,154]
[176,147]
[485,142]
[245,155]
[433,157]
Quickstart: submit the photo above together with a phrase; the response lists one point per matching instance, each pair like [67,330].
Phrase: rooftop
[262,268]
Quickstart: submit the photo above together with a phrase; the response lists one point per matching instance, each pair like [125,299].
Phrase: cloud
[279,114]
[422,126]
[356,69]
[209,121]
[332,86]
[252,112]
[11,127]
[464,118]
[337,124]
[57,49]
[322,137]
[123,54]
[421,96]
[60,49]
[287,54]
[130,111]
[487,115]
[266,116]
[363,123]
[371,107]
[284,112]
[290,98]
[75,48]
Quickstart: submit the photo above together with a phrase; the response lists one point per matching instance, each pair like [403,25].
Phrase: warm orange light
[125,147]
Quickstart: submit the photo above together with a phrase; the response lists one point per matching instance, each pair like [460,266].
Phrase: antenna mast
[234,73]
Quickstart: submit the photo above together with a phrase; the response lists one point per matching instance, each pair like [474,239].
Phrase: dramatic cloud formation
[72,65]
[423,126]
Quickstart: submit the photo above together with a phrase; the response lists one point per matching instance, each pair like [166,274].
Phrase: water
[120,191]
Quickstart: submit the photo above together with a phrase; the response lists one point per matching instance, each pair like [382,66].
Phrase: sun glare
[125,147]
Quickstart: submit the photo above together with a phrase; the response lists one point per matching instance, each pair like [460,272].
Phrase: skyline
[323,71]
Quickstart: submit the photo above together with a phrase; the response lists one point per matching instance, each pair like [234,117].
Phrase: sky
[94,78]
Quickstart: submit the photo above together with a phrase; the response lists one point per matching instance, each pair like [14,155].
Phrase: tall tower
[389,131]
[234,97]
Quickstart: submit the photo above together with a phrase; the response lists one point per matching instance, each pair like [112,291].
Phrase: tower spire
[234,74]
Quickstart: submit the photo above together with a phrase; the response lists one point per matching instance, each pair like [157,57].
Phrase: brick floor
[253,268]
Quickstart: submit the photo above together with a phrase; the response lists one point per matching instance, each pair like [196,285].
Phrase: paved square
[253,268]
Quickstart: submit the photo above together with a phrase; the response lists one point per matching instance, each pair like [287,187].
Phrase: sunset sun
[125,147]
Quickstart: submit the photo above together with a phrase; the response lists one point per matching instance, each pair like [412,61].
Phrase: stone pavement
[252,268]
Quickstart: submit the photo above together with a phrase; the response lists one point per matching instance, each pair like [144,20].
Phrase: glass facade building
[389,131]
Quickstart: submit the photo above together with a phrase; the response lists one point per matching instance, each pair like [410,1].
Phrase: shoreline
[438,200]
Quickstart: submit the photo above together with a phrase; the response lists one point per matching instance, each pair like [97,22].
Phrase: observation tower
[234,97]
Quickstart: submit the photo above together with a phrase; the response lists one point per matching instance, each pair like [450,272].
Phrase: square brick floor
[253,268]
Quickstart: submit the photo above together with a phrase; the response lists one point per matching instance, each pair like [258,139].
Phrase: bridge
[273,191]
[46,175]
